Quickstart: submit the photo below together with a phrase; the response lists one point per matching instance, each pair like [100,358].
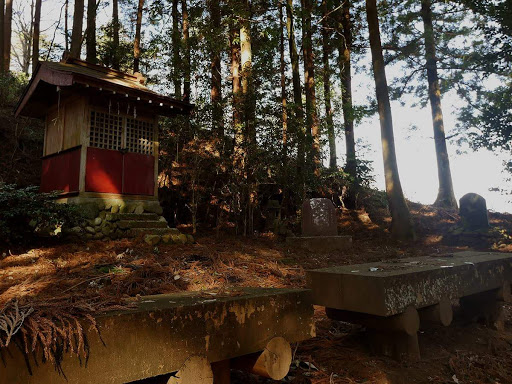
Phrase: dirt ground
[70,280]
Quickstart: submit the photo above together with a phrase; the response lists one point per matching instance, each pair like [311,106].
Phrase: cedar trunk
[136,42]
[445,196]
[401,225]
[7,35]
[2,33]
[297,92]
[176,65]
[312,131]
[76,33]
[282,70]
[216,73]
[115,34]
[66,29]
[90,43]
[35,35]
[345,49]
[186,47]
[326,51]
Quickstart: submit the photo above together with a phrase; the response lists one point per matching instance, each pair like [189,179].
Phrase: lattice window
[139,136]
[106,130]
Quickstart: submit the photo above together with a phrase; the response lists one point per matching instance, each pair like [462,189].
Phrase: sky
[478,172]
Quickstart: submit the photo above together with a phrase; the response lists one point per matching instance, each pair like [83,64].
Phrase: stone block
[152,239]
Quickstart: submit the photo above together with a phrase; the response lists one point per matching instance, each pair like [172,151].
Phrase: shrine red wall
[111,171]
[61,172]
[104,171]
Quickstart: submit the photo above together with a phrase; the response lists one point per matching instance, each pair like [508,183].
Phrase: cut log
[273,363]
[407,322]
[441,313]
[397,345]
[195,370]
[485,306]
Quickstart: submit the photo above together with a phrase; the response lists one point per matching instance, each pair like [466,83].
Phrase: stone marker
[473,211]
[319,218]
[320,228]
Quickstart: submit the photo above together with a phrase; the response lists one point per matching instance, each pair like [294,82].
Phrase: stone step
[131,224]
[154,231]
[136,216]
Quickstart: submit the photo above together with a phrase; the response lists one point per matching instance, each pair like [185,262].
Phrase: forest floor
[80,278]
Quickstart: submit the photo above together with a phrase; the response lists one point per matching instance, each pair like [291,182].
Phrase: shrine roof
[83,76]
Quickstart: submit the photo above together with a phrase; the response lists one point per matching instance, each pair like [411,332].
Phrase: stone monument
[473,212]
[320,228]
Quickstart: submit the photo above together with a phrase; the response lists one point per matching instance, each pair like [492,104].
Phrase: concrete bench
[197,337]
[393,298]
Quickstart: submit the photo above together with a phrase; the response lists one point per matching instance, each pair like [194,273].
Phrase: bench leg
[221,372]
[397,345]
[486,307]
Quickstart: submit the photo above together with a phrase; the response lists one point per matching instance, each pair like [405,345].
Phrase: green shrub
[26,214]
[11,87]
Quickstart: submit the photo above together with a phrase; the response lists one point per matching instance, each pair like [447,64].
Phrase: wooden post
[195,370]
[441,313]
[273,363]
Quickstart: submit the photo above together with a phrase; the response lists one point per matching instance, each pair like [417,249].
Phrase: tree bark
[282,70]
[401,225]
[186,54]
[7,35]
[297,92]
[115,34]
[345,50]
[326,51]
[66,29]
[445,195]
[35,35]
[216,72]
[176,43]
[76,33]
[136,42]
[90,43]
[312,131]
[2,34]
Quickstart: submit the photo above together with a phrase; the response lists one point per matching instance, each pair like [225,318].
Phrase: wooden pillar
[439,314]
[487,306]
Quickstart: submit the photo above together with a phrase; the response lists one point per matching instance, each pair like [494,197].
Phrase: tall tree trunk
[115,34]
[2,34]
[345,49]
[35,36]
[76,33]
[176,42]
[312,132]
[90,44]
[297,93]
[66,28]
[136,42]
[282,70]
[248,114]
[445,195]
[216,74]
[326,52]
[186,53]
[7,35]
[401,225]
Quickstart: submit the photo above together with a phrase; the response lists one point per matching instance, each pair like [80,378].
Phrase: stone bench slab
[163,331]
[389,287]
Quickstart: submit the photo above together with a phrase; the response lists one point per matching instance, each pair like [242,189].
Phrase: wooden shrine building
[101,131]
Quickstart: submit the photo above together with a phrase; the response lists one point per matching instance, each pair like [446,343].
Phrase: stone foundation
[120,218]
